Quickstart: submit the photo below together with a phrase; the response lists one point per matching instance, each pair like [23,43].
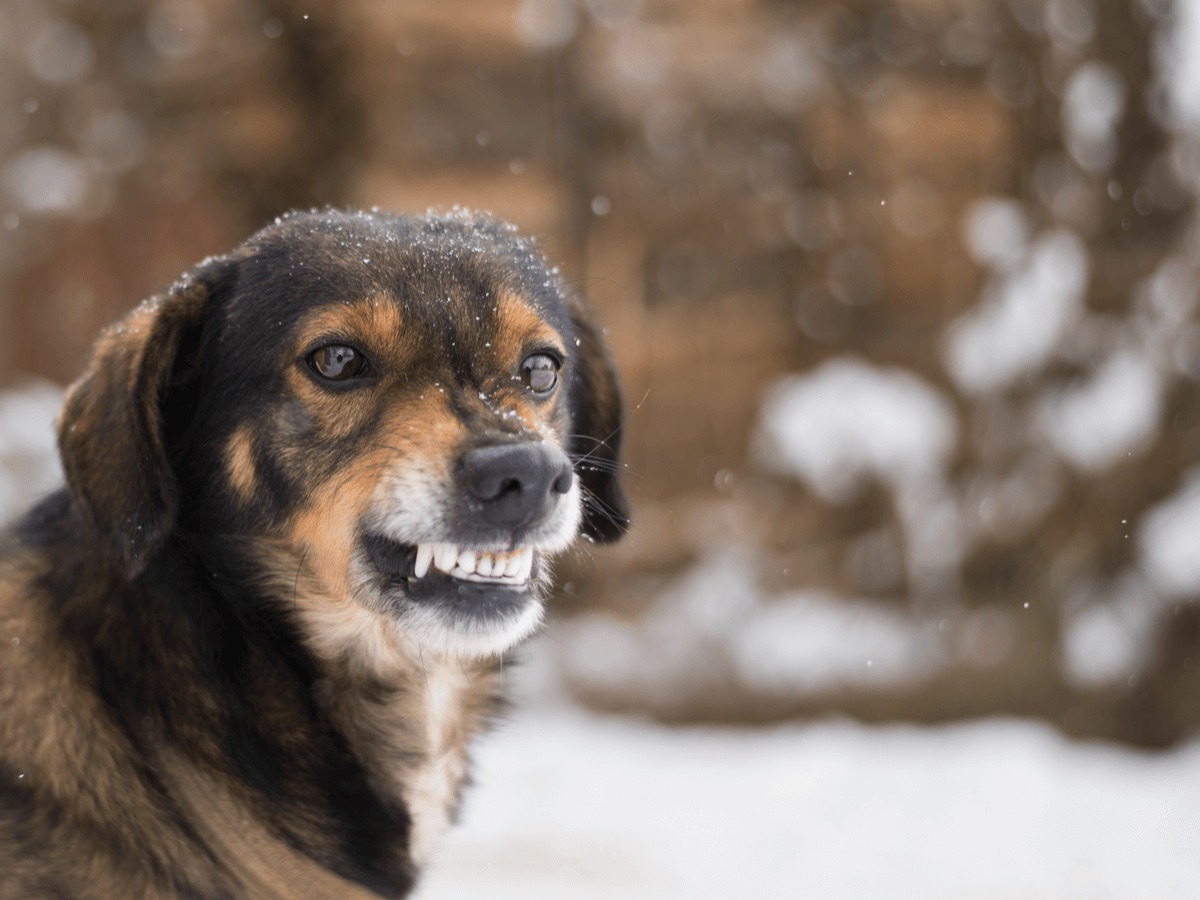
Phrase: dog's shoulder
[75,796]
[144,728]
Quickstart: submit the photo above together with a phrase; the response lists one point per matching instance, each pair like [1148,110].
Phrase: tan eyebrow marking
[376,320]
[517,324]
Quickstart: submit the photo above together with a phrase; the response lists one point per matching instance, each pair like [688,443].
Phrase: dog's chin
[450,611]
[472,633]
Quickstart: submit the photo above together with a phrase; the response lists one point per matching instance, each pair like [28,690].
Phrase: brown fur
[217,677]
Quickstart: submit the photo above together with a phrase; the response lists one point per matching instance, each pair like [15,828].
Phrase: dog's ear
[595,443]
[112,431]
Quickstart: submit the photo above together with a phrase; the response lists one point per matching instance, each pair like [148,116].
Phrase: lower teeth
[492,579]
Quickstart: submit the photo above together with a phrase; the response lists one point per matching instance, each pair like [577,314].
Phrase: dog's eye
[337,362]
[540,373]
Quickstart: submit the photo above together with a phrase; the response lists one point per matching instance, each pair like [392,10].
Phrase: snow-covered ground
[570,805]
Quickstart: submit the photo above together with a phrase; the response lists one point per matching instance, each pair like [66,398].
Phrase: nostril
[563,482]
[507,486]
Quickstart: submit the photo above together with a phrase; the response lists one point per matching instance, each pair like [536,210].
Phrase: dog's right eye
[337,362]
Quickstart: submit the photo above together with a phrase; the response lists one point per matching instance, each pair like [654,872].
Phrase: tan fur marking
[419,437]
[518,327]
[377,321]
[266,867]
[239,463]
[327,529]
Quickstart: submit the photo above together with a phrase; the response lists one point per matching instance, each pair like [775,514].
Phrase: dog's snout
[516,484]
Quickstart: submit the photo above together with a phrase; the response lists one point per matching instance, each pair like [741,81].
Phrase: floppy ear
[111,429]
[595,443]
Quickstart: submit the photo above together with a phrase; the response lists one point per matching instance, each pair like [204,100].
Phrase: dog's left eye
[540,373]
[337,362]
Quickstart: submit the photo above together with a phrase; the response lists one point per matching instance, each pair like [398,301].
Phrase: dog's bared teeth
[445,556]
[493,566]
[424,559]
[466,561]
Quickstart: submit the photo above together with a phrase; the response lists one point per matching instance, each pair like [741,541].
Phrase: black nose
[516,484]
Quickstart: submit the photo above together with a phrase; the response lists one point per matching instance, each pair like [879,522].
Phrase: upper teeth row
[475,565]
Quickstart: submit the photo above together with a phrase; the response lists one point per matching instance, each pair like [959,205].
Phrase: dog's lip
[502,567]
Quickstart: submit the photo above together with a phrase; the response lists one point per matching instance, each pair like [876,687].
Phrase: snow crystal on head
[441,241]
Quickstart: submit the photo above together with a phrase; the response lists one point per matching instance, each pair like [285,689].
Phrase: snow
[678,644]
[545,24]
[1110,639]
[1093,103]
[571,805]
[46,179]
[1115,413]
[60,53]
[790,72]
[996,230]
[811,641]
[1180,64]
[849,420]
[1167,537]
[1022,317]
[714,625]
[1165,303]
[29,464]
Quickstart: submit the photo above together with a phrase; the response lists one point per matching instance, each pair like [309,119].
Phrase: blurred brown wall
[742,187]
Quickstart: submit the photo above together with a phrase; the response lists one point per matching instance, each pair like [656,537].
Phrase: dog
[312,495]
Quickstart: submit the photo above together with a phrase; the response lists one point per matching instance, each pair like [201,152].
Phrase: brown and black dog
[312,493]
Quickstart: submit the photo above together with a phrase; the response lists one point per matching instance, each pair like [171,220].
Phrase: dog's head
[394,421]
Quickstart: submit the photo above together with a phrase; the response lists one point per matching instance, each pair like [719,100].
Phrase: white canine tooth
[483,565]
[424,558]
[466,561]
[513,565]
[444,556]
[526,564]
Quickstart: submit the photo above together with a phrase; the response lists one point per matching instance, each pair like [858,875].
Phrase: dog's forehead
[437,269]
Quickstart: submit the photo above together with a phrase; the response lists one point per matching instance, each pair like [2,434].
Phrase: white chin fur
[429,630]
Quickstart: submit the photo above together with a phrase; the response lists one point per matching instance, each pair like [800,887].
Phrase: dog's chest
[430,789]
[414,742]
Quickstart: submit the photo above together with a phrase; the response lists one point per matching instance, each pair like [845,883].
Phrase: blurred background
[903,295]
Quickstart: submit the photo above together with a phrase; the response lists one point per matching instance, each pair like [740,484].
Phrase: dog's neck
[407,714]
